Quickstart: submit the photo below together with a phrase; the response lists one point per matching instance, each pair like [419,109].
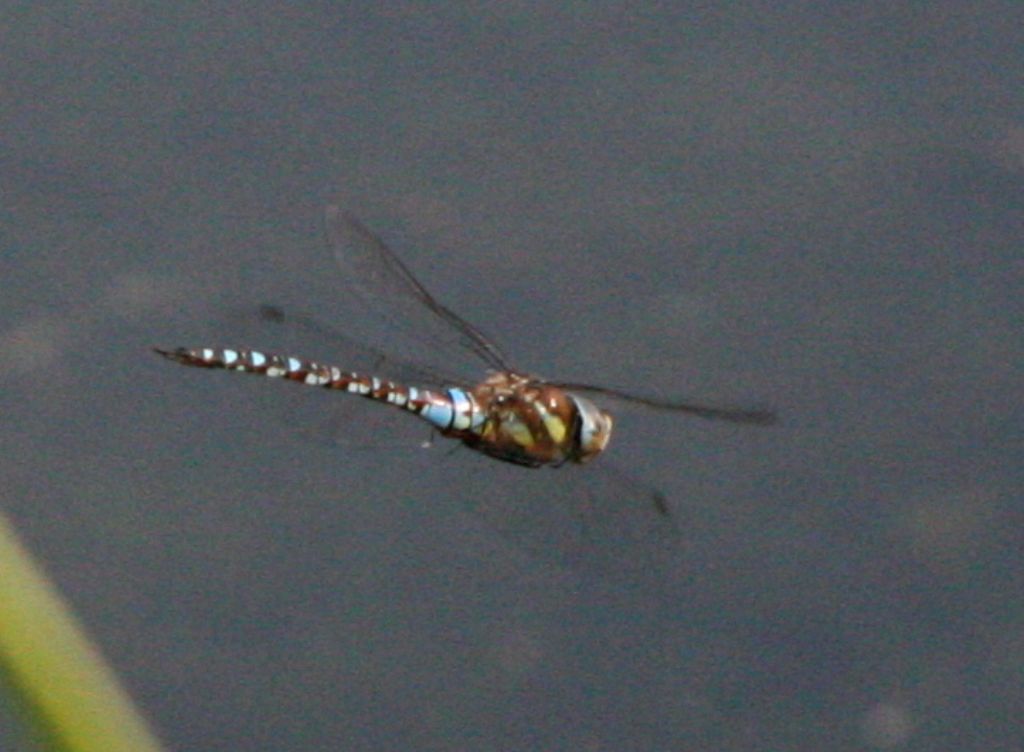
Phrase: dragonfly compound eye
[595,428]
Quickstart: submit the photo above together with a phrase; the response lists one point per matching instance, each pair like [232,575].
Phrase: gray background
[814,206]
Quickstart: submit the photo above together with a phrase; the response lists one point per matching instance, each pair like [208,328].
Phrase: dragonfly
[510,415]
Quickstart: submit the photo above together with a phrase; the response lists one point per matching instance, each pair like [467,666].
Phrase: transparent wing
[726,413]
[317,415]
[593,520]
[384,284]
[306,334]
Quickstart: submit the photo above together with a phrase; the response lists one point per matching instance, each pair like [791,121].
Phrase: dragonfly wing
[308,334]
[594,520]
[384,284]
[726,413]
[323,416]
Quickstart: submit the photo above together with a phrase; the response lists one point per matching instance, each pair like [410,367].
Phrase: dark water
[817,209]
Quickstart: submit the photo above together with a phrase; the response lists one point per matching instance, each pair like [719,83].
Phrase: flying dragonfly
[510,415]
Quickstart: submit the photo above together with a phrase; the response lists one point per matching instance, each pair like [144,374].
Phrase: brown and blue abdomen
[451,411]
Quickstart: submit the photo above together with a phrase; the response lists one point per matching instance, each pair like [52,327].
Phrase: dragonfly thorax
[531,422]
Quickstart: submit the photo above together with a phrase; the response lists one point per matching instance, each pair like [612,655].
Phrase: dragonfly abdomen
[453,410]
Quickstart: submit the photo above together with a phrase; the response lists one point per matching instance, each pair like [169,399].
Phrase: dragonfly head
[593,429]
